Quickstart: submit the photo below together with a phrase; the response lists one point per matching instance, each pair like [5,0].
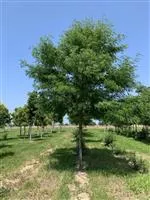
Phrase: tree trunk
[80,149]
[30,132]
[20,130]
[52,128]
[60,127]
[42,131]
[24,131]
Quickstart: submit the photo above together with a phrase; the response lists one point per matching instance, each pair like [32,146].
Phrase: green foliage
[82,69]
[143,106]
[32,106]
[126,113]
[4,136]
[143,134]
[4,116]
[138,164]
[20,116]
[4,192]
[109,140]
[118,151]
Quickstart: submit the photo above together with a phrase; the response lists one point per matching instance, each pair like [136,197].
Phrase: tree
[32,106]
[83,69]
[20,118]
[143,111]
[121,113]
[54,108]
[143,106]
[4,116]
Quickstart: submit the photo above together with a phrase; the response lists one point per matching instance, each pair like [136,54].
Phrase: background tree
[20,118]
[83,69]
[4,116]
[143,111]
[32,106]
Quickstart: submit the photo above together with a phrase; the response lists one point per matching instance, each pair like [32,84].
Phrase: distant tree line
[130,115]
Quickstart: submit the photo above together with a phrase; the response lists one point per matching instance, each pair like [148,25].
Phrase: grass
[110,176]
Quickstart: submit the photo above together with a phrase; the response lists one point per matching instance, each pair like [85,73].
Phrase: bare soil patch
[78,189]
[118,190]
[28,171]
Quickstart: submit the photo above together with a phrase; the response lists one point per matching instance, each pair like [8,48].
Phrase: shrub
[109,140]
[144,134]
[118,151]
[111,130]
[138,164]
[5,135]
[3,191]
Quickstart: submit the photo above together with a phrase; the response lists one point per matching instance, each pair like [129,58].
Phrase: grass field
[45,169]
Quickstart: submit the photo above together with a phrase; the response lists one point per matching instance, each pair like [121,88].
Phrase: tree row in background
[130,115]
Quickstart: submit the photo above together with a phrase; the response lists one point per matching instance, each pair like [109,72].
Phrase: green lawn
[46,168]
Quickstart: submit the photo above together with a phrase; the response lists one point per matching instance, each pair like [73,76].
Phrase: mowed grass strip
[110,176]
[52,177]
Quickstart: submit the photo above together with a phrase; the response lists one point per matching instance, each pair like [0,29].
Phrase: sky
[22,23]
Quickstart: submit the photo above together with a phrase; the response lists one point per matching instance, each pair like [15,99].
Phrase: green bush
[138,164]
[111,130]
[118,151]
[3,191]
[5,136]
[144,134]
[109,140]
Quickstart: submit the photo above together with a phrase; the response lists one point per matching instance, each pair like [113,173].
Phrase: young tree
[20,118]
[4,116]
[83,69]
[32,105]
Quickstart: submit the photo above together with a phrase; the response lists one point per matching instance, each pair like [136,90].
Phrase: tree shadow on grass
[35,137]
[92,140]
[101,160]
[62,159]
[7,139]
[5,145]
[5,154]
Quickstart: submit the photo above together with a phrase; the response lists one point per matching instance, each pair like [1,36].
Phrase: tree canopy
[4,115]
[83,69]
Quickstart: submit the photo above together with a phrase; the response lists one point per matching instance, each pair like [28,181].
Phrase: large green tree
[82,70]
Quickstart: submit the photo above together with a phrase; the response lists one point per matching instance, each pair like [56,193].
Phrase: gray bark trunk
[24,130]
[52,128]
[20,130]
[42,131]
[30,132]
[80,150]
